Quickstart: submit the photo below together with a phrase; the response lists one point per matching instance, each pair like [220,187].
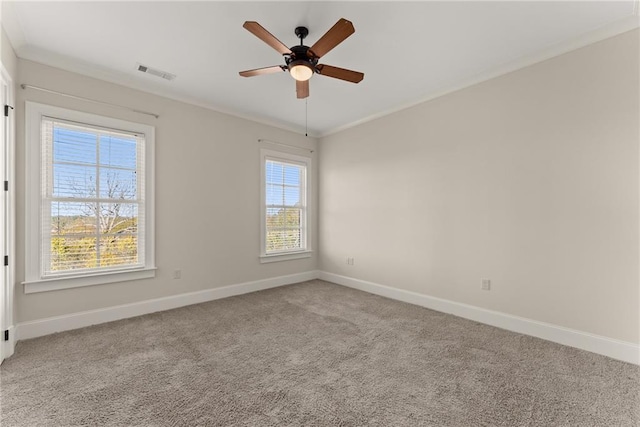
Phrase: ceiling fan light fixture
[300,70]
[302,61]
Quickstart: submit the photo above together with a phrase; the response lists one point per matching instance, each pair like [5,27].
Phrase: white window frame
[305,252]
[34,281]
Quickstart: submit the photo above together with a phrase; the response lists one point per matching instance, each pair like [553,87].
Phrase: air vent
[156,72]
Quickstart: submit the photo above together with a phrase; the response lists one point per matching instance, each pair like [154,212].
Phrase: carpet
[310,354]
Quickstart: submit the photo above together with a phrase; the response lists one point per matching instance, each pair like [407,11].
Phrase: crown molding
[40,56]
[586,39]
[26,52]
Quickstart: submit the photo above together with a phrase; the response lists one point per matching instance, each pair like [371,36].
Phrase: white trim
[97,278]
[34,282]
[621,350]
[264,259]
[599,34]
[51,59]
[8,247]
[9,347]
[307,197]
[37,55]
[37,328]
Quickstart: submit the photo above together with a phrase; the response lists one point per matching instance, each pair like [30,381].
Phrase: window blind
[92,201]
[286,208]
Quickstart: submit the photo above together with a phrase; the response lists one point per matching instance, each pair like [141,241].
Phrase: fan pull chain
[306,117]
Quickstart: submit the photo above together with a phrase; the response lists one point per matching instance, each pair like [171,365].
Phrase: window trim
[34,282]
[267,154]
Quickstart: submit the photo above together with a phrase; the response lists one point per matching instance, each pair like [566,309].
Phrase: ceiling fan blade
[261,71]
[302,89]
[340,73]
[264,35]
[332,38]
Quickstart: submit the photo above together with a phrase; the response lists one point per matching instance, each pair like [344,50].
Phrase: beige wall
[207,195]
[530,179]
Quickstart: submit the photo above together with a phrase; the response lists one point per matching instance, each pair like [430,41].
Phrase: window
[285,231]
[90,210]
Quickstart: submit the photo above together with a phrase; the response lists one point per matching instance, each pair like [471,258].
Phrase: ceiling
[409,51]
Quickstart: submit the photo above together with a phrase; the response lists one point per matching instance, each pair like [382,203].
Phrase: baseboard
[41,327]
[8,347]
[621,350]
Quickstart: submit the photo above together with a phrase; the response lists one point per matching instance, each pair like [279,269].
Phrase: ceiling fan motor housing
[299,56]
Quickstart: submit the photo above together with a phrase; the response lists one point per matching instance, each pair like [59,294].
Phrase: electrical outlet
[485,285]
[177,274]
[350,261]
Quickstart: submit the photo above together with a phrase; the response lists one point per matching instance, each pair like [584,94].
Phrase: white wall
[7,55]
[530,179]
[207,195]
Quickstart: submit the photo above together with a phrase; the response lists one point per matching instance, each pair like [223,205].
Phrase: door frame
[7,216]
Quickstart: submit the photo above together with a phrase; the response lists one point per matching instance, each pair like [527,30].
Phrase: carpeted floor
[312,354]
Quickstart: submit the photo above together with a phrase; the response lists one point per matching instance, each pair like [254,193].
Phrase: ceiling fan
[302,61]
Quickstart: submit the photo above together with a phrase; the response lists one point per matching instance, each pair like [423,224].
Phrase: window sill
[285,257]
[54,284]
